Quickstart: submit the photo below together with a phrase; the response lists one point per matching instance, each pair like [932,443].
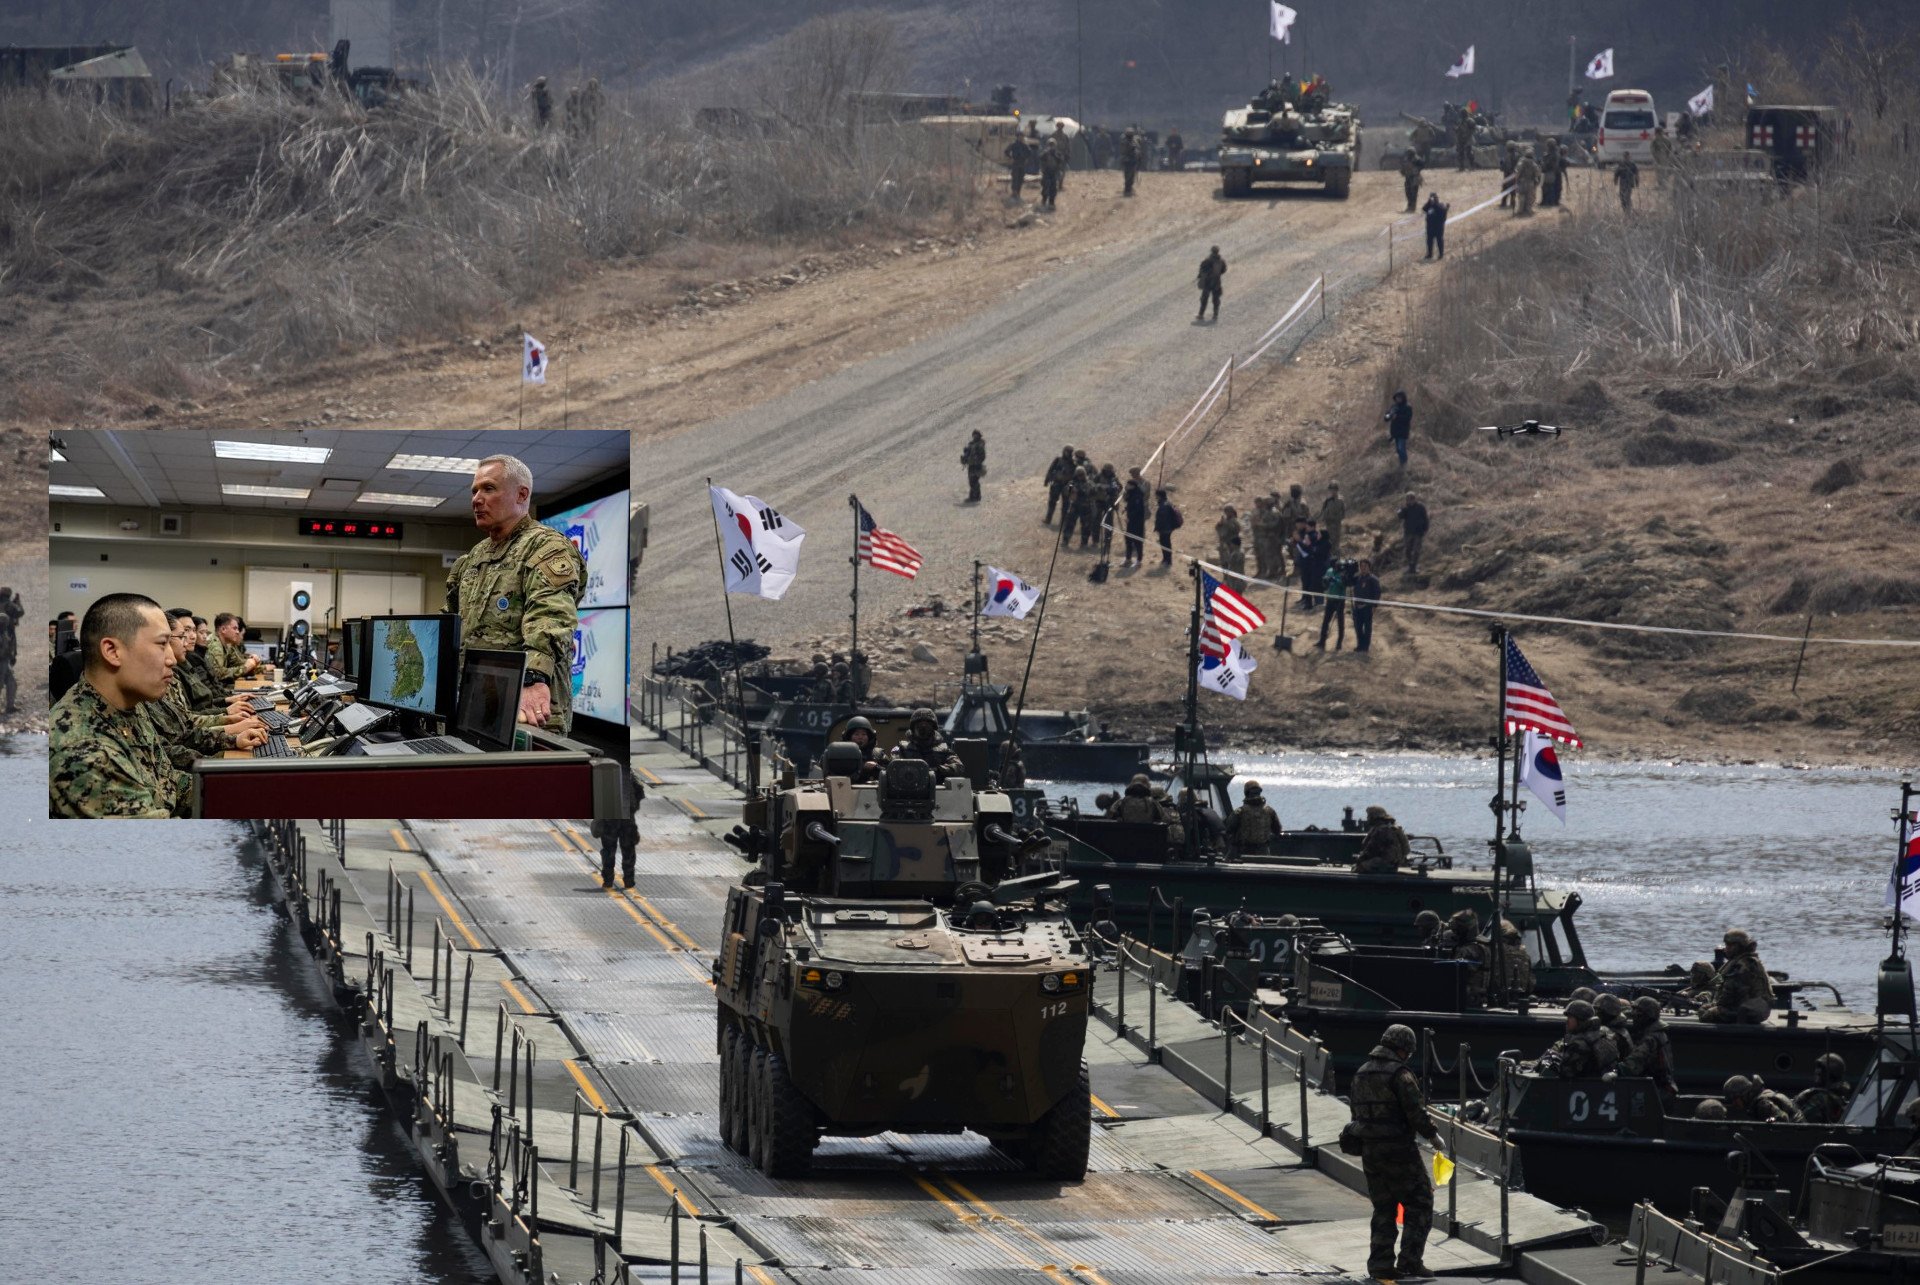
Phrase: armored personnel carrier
[885,968]
[1302,138]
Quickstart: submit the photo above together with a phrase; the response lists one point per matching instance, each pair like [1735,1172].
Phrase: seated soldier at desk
[105,756]
[190,734]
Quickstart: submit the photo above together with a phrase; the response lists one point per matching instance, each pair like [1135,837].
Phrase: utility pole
[1079,67]
[1572,67]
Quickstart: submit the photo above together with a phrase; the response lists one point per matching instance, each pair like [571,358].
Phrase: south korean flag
[1228,675]
[759,545]
[1540,772]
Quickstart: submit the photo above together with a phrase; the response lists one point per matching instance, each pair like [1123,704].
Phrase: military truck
[885,969]
[1272,140]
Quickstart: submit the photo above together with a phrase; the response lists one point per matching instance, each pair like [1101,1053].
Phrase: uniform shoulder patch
[560,567]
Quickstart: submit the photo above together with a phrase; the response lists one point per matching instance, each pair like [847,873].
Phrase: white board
[269,595]
[379,593]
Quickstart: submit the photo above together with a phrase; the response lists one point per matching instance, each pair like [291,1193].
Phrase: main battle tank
[886,968]
[1276,140]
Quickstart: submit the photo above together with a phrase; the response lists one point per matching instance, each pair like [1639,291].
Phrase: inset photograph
[339,623]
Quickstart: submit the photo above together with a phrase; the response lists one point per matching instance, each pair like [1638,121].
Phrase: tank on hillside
[885,969]
[1290,133]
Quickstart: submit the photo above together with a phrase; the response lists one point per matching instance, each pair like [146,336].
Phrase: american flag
[883,550]
[1530,704]
[1224,617]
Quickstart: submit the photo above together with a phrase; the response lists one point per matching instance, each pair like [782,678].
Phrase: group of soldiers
[1053,157]
[839,681]
[580,114]
[1094,501]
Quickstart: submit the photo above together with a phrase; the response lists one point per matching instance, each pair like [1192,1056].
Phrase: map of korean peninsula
[408,662]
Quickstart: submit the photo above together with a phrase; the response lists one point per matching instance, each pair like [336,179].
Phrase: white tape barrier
[1194,416]
[1280,327]
[1451,219]
[1219,572]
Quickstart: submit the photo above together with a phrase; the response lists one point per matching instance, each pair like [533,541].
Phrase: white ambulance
[1626,128]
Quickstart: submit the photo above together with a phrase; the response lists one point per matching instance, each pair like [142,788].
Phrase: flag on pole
[533,359]
[1228,675]
[1904,891]
[1464,67]
[1529,703]
[1008,595]
[1601,68]
[1752,93]
[1701,103]
[1540,772]
[1224,616]
[883,550]
[761,548]
[1442,1169]
[1283,22]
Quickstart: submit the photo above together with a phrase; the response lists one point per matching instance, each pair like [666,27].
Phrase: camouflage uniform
[1254,824]
[1332,514]
[1133,154]
[1516,965]
[1509,161]
[974,456]
[1019,154]
[1553,171]
[202,690]
[1092,500]
[1267,562]
[1526,177]
[1462,939]
[1059,475]
[187,735]
[1652,1054]
[1752,1100]
[1463,140]
[1293,511]
[1053,165]
[1410,178]
[1613,1019]
[105,763]
[1826,1101]
[1388,1111]
[1742,991]
[1385,848]
[226,660]
[1626,178]
[1072,500]
[11,610]
[1587,1050]
[1137,804]
[523,594]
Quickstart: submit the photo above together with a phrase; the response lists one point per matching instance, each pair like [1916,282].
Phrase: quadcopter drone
[1525,428]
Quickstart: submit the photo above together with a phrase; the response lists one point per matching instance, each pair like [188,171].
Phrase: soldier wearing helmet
[1385,848]
[1253,826]
[1462,941]
[1426,926]
[1136,803]
[1388,1111]
[1750,1099]
[1742,992]
[1612,1012]
[1826,1101]
[1710,1109]
[1587,1049]
[924,741]
[1516,965]
[860,732]
[1652,1053]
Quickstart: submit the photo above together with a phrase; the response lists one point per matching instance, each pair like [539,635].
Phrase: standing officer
[1254,825]
[1213,272]
[519,590]
[1059,475]
[622,833]
[542,99]
[1626,178]
[1388,1111]
[1019,154]
[1410,177]
[105,757]
[1135,498]
[1133,154]
[974,456]
[1463,140]
[1436,211]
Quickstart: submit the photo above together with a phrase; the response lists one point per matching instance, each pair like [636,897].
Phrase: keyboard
[436,745]
[275,721]
[261,703]
[275,748]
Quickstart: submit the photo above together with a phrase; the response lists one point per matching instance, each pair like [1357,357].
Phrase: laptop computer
[484,715]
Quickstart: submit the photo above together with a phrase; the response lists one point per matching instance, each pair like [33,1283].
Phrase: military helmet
[819,658]
[1701,973]
[1586,993]
[1427,921]
[1710,1109]
[1737,1086]
[1829,1067]
[1295,490]
[1288,921]
[1466,921]
[1251,790]
[1378,813]
[1400,1037]
[1103,801]
[859,723]
[1646,1009]
[1579,1010]
[1609,1006]
[922,713]
[1139,779]
[1738,939]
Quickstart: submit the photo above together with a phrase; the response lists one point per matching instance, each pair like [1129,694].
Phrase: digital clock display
[351,528]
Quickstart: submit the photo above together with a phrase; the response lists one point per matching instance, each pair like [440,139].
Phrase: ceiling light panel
[268,492]
[272,451]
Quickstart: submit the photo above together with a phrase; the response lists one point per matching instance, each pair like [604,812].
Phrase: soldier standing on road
[1133,154]
[1019,154]
[1410,177]
[1053,164]
[1626,178]
[1212,276]
[1526,178]
[1176,148]
[1388,1111]
[1509,161]
[1436,211]
[1166,520]
[1333,512]
[1553,168]
[974,456]
[1463,140]
[1059,476]
[1135,504]
[1413,527]
[519,589]
[542,99]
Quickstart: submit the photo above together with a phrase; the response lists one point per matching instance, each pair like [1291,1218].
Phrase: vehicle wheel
[754,1064]
[1339,184]
[729,1108]
[1233,183]
[733,1076]
[787,1131]
[1057,1146]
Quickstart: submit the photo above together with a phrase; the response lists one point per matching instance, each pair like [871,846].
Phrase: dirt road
[1100,349]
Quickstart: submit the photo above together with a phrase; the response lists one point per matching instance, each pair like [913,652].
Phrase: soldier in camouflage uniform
[1093,502]
[105,757]
[925,742]
[1426,927]
[1410,178]
[1388,1113]
[1059,477]
[1268,563]
[1019,154]
[1751,1099]
[1612,1012]
[226,655]
[1652,1053]
[190,735]
[1587,1049]
[1516,965]
[1070,502]
[1742,991]
[1826,1102]
[1462,941]
[1333,515]
[1463,140]
[10,612]
[1133,154]
[1137,803]
[1293,511]
[519,590]
[1253,826]
[974,456]
[621,834]
[1385,848]
[1526,178]
[1710,1109]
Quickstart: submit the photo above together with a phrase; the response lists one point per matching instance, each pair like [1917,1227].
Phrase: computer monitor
[600,660]
[412,663]
[490,683]
[599,530]
[353,641]
[262,652]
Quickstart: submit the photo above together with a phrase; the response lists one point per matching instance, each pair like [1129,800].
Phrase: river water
[182,1108]
[185,1108]
[1666,857]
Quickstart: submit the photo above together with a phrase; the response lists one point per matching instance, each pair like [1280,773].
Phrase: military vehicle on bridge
[1289,133]
[885,968]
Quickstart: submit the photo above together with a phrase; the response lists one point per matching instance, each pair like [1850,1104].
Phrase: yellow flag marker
[1442,1169]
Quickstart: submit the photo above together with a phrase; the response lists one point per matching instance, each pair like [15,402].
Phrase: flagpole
[1501,740]
[976,609]
[1189,731]
[1513,804]
[739,683]
[853,655]
[1013,733]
